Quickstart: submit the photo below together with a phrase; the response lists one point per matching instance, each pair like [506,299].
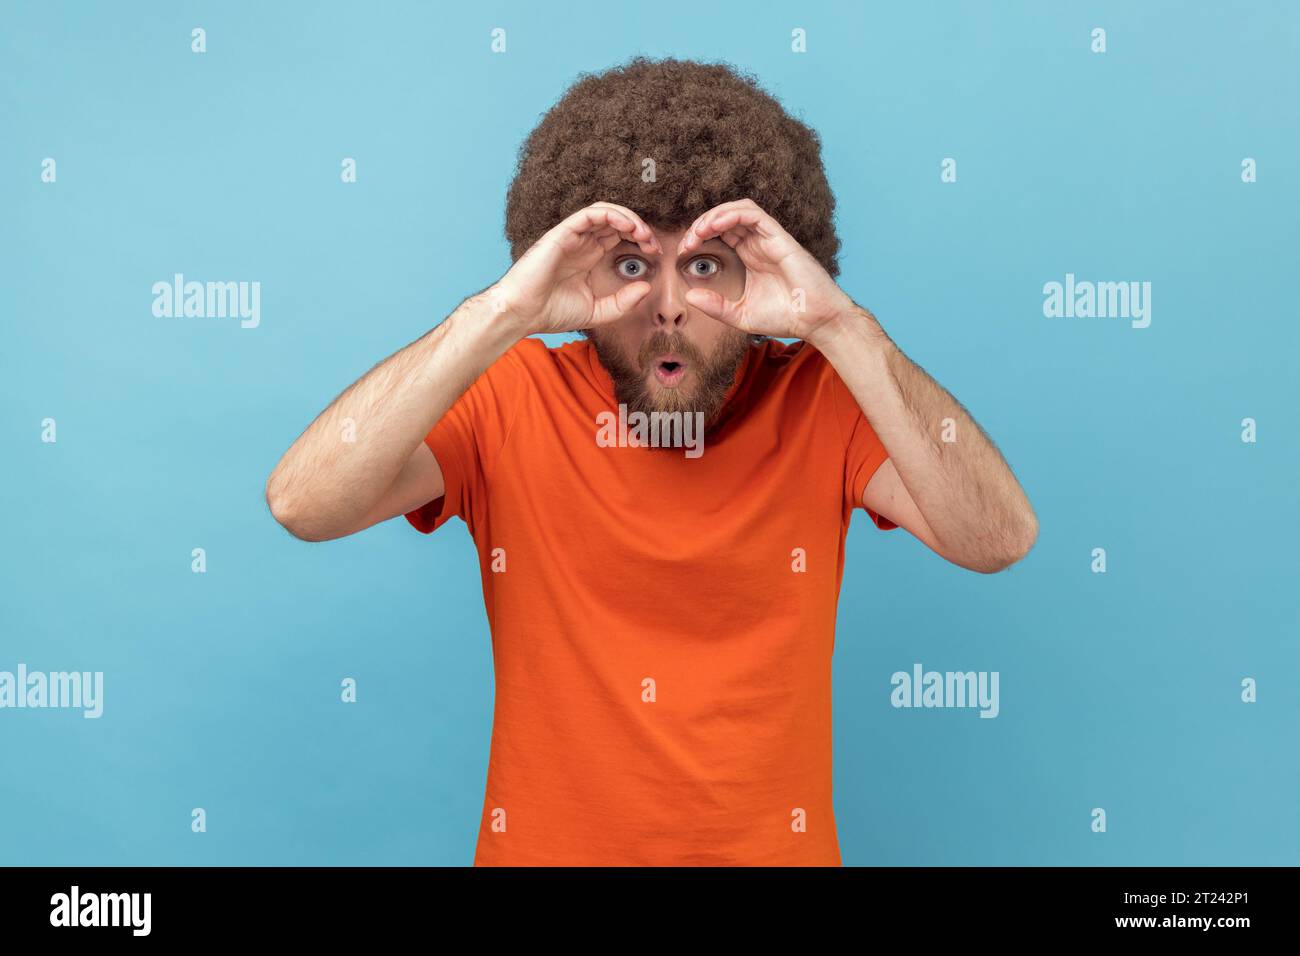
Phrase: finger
[643,228]
[616,304]
[601,216]
[703,217]
[608,239]
[719,221]
[714,305]
[642,232]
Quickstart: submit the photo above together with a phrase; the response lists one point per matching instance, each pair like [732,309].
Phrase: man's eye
[631,268]
[703,268]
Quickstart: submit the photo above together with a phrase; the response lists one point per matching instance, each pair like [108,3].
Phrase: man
[662,612]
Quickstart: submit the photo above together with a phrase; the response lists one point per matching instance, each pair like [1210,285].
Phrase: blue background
[1118,690]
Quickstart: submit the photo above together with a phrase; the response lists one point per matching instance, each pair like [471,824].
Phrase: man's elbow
[1016,543]
[1000,551]
[286,511]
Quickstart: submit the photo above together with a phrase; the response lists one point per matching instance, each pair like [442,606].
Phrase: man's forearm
[338,469]
[962,486]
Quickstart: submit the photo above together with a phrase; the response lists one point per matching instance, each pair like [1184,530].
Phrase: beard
[714,373]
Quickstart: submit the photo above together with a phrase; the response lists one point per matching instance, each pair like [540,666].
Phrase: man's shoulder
[533,354]
[532,350]
[532,359]
[790,360]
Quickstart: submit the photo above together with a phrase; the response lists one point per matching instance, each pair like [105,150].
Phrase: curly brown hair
[714,136]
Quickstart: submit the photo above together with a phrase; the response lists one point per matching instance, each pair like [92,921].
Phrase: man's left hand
[788,294]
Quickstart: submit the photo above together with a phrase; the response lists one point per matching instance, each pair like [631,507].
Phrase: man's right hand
[547,289]
[326,486]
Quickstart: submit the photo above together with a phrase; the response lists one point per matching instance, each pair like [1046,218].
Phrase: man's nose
[670,302]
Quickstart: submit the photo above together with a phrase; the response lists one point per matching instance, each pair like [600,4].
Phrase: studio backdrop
[1079,218]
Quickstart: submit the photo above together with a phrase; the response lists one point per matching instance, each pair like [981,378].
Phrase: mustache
[662,342]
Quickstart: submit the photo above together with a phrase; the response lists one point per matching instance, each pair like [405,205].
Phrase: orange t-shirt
[662,625]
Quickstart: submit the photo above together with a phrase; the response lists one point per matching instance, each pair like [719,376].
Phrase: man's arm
[325,487]
[960,497]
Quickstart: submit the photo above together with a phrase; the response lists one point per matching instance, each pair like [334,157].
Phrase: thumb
[712,304]
[615,305]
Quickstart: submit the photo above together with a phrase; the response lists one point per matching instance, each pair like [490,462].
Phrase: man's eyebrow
[715,243]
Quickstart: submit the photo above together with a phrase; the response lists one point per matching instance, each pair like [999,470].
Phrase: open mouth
[669,370]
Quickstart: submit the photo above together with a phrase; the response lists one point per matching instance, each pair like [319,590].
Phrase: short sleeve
[864,452]
[469,438]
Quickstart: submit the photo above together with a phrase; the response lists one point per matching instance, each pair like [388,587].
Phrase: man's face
[665,355]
